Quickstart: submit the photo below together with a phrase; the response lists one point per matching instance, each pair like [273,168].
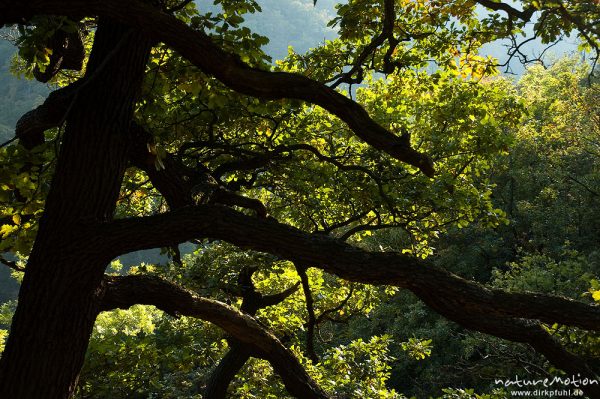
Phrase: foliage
[514,202]
[151,354]
[359,369]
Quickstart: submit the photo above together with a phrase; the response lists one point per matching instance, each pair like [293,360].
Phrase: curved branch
[11,264]
[123,292]
[179,184]
[432,284]
[51,113]
[310,309]
[199,49]
[238,354]
[229,365]
[274,299]
[387,33]
[524,15]
[262,160]
[532,333]
[325,314]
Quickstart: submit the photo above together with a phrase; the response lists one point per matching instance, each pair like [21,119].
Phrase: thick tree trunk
[58,298]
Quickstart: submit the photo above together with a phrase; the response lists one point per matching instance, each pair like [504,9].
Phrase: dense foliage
[512,204]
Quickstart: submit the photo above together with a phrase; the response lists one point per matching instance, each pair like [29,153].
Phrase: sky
[272,23]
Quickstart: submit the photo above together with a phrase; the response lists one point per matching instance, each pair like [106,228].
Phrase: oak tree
[169,124]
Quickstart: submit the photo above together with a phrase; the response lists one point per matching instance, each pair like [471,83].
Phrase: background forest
[517,210]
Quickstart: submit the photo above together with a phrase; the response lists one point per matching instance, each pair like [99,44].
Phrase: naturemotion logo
[576,382]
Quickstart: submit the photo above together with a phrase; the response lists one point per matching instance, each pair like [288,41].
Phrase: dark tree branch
[252,299]
[238,354]
[352,219]
[274,299]
[368,227]
[387,33]
[585,186]
[229,365]
[199,49]
[325,314]
[311,322]
[581,26]
[179,184]
[262,160]
[51,113]
[123,292]
[12,264]
[532,333]
[433,285]
[179,6]
[55,109]
[68,52]
[524,15]
[55,315]
[471,305]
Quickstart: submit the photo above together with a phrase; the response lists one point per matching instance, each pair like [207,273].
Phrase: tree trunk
[57,301]
[226,370]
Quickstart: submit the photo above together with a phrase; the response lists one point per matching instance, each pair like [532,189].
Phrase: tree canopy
[382,195]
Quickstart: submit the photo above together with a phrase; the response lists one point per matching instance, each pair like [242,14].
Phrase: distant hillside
[17,96]
[296,23]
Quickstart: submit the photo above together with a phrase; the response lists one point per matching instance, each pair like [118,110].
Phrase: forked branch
[126,291]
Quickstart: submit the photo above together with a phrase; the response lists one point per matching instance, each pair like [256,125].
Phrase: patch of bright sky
[303,25]
[296,23]
[534,49]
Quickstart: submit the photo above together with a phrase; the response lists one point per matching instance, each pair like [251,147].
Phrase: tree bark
[58,301]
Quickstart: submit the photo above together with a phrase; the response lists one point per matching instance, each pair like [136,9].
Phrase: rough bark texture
[57,301]
[432,284]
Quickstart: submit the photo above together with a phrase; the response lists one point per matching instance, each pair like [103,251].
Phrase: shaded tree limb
[229,365]
[180,184]
[533,334]
[11,264]
[51,113]
[310,310]
[325,314]
[238,354]
[525,15]
[57,306]
[68,52]
[199,49]
[263,160]
[123,292]
[387,33]
[432,284]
